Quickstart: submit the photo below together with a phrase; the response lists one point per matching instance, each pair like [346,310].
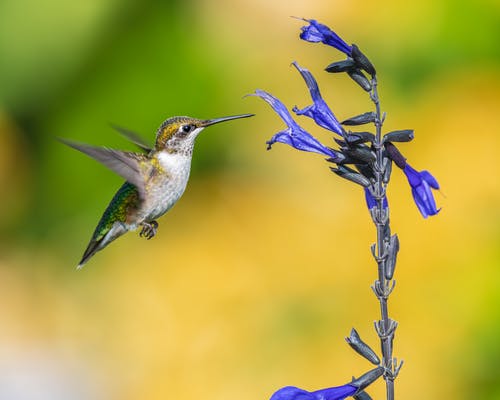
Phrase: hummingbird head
[177,134]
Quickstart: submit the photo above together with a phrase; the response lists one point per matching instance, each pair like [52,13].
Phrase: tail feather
[101,242]
[92,248]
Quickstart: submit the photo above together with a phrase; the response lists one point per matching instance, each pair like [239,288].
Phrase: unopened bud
[362,348]
[404,135]
[362,396]
[362,61]
[351,175]
[360,137]
[340,66]
[361,119]
[395,155]
[392,252]
[362,153]
[368,378]
[358,77]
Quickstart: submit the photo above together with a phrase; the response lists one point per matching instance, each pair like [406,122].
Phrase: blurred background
[263,267]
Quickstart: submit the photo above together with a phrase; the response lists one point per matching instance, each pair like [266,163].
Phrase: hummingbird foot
[149,229]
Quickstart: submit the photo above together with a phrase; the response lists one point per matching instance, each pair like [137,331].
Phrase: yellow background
[261,270]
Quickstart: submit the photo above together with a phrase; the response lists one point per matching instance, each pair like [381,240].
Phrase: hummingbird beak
[209,122]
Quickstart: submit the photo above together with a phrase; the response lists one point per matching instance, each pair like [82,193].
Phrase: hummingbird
[155,178]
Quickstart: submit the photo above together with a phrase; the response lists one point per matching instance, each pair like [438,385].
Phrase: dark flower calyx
[361,119]
[405,135]
[367,378]
[395,155]
[359,137]
[362,60]
[390,262]
[362,153]
[358,77]
[361,347]
[362,396]
[351,175]
[387,170]
[365,170]
[340,66]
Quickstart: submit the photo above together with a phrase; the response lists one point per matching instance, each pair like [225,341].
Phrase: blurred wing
[130,166]
[132,137]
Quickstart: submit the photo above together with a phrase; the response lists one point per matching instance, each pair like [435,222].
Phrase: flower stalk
[382,288]
[365,159]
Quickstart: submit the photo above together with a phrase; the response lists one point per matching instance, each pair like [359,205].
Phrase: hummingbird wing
[132,137]
[133,167]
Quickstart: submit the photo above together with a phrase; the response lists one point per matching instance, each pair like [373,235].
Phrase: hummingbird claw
[149,229]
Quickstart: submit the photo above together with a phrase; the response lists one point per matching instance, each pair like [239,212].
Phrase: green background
[261,270]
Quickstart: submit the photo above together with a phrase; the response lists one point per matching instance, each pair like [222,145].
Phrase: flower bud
[362,348]
[362,396]
[395,155]
[351,175]
[361,119]
[368,378]
[404,135]
[392,252]
[361,60]
[387,170]
[360,152]
[359,137]
[340,66]
[358,77]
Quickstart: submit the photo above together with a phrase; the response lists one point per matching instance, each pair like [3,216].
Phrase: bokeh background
[261,270]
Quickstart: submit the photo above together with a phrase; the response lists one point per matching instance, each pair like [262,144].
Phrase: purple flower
[294,135]
[294,393]
[317,32]
[421,184]
[319,111]
[371,202]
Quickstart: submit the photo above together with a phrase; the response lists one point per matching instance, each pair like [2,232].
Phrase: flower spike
[319,111]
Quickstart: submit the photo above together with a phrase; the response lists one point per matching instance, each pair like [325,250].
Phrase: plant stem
[383,287]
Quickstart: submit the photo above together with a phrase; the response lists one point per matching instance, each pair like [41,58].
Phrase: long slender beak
[209,122]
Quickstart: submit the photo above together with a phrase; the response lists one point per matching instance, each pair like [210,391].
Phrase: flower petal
[277,106]
[319,111]
[317,32]
[294,393]
[335,393]
[426,176]
[421,184]
[294,135]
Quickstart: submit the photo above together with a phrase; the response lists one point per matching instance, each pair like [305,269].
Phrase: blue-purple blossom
[421,184]
[317,32]
[319,111]
[294,393]
[294,135]
[371,202]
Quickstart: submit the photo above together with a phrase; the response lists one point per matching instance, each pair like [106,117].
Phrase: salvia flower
[421,184]
[319,110]
[294,135]
[294,393]
[316,32]
[333,393]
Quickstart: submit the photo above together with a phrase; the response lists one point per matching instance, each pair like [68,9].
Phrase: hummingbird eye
[187,128]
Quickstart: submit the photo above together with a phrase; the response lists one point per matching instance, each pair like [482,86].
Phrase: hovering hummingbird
[156,178]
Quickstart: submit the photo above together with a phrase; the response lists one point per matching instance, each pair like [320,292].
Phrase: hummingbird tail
[92,248]
[101,242]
